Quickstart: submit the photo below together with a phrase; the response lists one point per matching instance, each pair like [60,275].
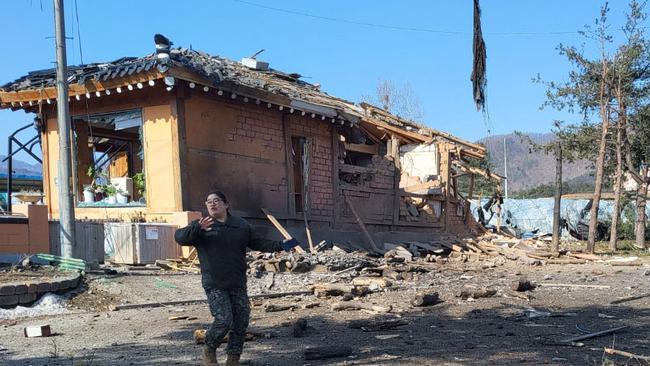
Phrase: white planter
[122,198]
[111,199]
[89,196]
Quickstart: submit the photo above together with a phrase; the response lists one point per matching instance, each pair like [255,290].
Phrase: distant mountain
[527,168]
[21,167]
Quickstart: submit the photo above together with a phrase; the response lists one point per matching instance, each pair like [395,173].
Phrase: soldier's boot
[209,356]
[232,360]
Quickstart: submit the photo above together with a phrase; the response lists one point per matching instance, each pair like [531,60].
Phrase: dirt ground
[499,330]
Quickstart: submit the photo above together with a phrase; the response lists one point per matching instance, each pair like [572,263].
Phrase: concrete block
[27,298]
[74,281]
[70,283]
[7,290]
[55,286]
[44,287]
[32,288]
[38,331]
[9,300]
[21,289]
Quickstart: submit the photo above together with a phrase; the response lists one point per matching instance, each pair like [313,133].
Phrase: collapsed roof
[256,82]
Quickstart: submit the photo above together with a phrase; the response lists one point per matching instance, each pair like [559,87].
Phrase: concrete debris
[37,331]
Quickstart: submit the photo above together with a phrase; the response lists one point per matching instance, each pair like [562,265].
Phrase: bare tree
[397,99]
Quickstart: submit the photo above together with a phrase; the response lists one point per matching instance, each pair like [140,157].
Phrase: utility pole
[505,165]
[66,206]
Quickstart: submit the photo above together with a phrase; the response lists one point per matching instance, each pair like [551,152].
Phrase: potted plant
[139,183]
[111,192]
[89,193]
[121,197]
[96,188]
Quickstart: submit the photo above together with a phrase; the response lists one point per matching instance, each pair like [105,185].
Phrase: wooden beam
[114,134]
[291,190]
[445,168]
[588,196]
[91,86]
[481,149]
[362,148]
[422,186]
[370,135]
[306,171]
[397,176]
[335,175]
[465,167]
[280,228]
[371,242]
[395,129]
[593,335]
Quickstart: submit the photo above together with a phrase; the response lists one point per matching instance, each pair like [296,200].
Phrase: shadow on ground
[501,335]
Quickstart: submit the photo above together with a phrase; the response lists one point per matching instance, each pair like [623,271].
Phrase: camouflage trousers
[231,311]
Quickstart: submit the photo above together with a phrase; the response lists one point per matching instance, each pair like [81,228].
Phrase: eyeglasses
[213,202]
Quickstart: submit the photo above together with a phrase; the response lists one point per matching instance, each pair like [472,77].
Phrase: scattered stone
[37,331]
[522,285]
[300,327]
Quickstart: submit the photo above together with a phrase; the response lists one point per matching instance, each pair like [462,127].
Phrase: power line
[397,27]
[81,53]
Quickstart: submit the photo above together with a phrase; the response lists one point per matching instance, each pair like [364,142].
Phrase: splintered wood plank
[371,242]
[280,228]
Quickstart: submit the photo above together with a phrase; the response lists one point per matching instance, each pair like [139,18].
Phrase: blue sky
[347,59]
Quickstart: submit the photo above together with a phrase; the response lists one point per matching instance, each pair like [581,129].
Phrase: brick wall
[320,183]
[244,144]
[258,127]
[236,147]
[373,193]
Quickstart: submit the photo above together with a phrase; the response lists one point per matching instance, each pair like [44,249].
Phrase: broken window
[358,155]
[358,149]
[109,153]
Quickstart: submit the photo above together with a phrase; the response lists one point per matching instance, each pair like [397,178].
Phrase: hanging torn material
[479,82]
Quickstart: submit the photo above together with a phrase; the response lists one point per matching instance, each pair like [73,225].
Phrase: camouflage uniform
[222,254]
[231,311]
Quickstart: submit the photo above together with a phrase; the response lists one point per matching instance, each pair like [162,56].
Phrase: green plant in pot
[110,191]
[97,184]
[139,183]
[90,190]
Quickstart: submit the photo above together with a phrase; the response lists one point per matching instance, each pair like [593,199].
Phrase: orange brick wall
[240,148]
[320,184]
[14,238]
[29,238]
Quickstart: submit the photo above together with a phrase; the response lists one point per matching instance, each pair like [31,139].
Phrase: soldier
[221,240]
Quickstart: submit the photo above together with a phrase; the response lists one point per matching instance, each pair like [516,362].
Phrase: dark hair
[219,194]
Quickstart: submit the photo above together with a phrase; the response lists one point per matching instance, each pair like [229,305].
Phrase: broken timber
[612,351]
[280,228]
[371,242]
[593,335]
[373,325]
[349,305]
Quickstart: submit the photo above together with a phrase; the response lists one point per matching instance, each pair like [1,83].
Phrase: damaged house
[186,122]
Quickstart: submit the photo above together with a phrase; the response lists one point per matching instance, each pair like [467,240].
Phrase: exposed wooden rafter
[470,169]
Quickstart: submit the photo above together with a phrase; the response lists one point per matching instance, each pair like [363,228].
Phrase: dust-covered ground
[498,330]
